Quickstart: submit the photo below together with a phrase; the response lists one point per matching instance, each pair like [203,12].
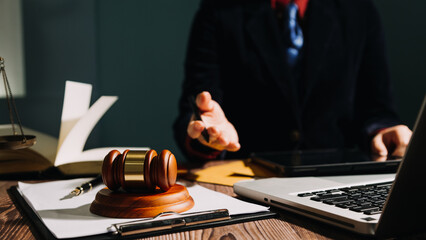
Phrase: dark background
[135,50]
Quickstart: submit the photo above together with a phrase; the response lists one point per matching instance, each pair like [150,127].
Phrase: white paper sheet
[78,120]
[71,217]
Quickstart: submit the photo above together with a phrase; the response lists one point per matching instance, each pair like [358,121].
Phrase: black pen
[87,186]
[196,112]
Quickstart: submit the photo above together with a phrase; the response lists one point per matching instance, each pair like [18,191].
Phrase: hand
[393,139]
[222,134]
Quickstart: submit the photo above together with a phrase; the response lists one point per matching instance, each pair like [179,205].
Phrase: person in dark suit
[336,94]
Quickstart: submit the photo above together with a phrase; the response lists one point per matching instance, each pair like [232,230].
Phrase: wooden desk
[287,226]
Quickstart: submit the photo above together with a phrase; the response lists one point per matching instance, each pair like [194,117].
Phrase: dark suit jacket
[336,97]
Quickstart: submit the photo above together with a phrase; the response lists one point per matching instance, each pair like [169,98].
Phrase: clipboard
[42,232]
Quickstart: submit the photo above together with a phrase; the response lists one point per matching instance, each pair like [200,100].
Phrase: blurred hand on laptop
[391,141]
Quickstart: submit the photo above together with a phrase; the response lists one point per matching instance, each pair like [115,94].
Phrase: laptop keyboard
[368,199]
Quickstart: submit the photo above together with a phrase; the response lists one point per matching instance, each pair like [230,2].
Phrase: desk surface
[286,226]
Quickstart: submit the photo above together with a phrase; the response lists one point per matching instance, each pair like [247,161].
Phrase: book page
[73,145]
[76,104]
[77,122]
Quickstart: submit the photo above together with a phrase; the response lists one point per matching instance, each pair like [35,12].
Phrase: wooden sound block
[140,205]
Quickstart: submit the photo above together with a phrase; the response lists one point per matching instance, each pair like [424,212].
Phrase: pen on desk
[161,222]
[87,186]
[196,112]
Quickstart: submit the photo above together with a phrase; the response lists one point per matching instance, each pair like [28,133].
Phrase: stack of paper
[67,218]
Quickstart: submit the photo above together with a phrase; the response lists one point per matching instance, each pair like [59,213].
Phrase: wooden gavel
[136,171]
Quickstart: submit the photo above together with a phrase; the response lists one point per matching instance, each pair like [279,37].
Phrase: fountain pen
[87,186]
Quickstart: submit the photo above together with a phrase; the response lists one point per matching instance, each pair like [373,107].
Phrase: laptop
[371,204]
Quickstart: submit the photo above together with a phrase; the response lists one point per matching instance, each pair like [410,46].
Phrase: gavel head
[135,171]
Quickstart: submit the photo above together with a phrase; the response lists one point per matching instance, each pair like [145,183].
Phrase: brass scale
[14,141]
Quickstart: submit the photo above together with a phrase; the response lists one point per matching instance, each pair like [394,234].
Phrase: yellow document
[230,173]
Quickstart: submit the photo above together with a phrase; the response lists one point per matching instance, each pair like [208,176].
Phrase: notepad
[70,218]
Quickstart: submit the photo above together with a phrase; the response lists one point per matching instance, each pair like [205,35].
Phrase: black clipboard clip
[168,220]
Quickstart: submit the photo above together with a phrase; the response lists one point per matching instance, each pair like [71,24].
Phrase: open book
[66,153]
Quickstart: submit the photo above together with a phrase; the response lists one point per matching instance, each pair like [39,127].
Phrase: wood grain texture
[286,226]
[139,170]
[12,224]
[116,204]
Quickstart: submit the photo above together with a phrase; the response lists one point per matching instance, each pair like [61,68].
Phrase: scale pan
[14,142]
